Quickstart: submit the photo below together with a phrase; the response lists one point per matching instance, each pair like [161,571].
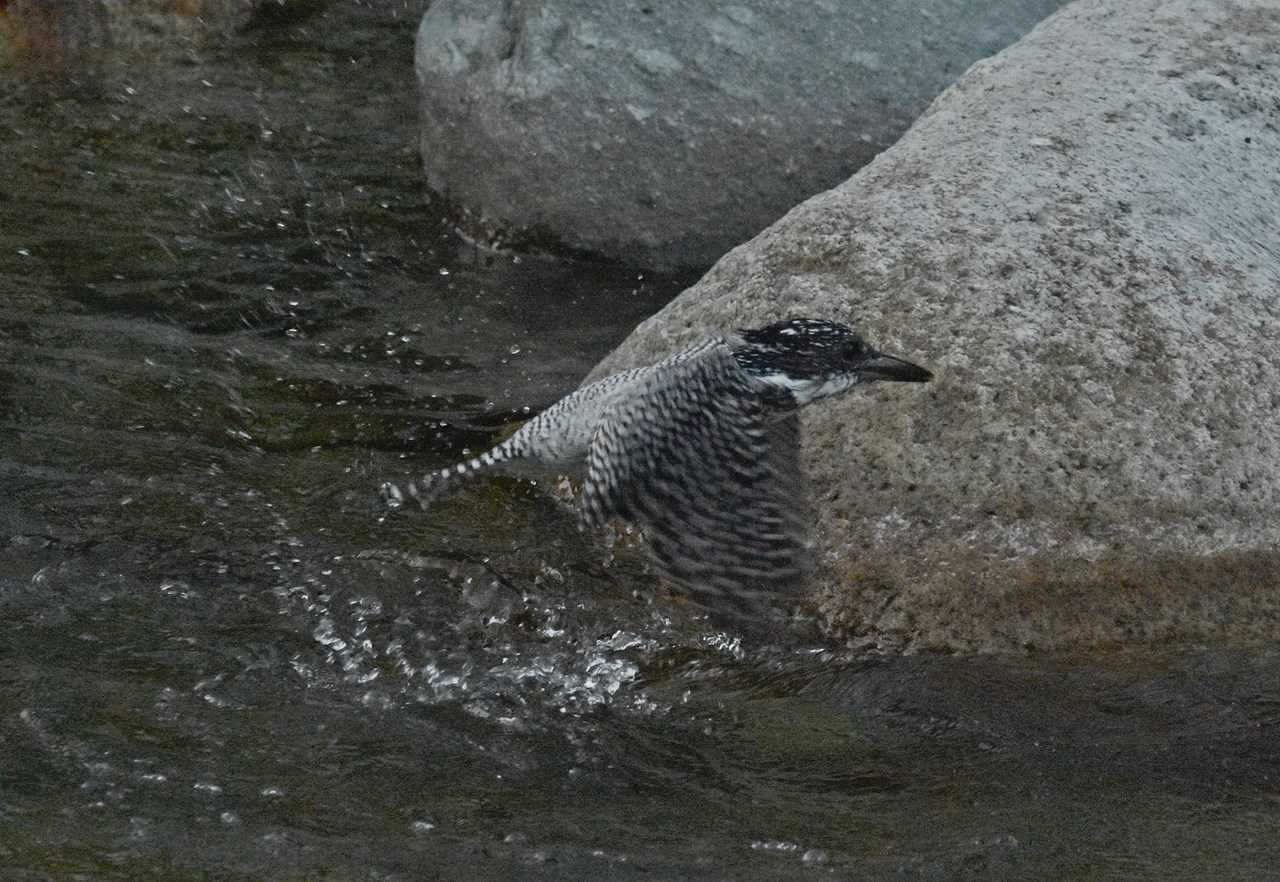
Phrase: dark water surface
[228,311]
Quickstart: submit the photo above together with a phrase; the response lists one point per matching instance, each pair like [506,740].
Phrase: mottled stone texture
[665,132]
[1080,239]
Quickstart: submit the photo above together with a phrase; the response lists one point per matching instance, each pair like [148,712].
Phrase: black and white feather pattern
[701,451]
[699,457]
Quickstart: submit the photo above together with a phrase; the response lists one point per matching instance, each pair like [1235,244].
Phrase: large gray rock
[1080,237]
[663,133]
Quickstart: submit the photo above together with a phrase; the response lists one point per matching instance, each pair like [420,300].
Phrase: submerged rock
[72,36]
[52,34]
[1079,239]
[664,133]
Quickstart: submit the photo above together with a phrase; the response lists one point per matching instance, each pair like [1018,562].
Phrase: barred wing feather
[710,472]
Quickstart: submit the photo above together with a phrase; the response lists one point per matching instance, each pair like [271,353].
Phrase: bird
[701,452]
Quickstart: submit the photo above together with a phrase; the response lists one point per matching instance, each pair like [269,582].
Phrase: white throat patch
[807,389]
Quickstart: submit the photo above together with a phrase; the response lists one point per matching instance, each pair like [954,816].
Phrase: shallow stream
[228,311]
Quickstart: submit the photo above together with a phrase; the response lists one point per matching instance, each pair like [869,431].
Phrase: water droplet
[813,857]
[774,845]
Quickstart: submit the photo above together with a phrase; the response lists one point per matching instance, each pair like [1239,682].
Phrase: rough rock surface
[666,132]
[1081,238]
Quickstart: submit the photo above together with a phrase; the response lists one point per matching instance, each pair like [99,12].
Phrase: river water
[228,312]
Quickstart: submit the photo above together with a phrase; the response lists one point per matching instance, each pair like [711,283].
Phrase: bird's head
[814,358]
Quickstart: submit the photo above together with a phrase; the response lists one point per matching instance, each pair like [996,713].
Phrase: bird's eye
[855,349]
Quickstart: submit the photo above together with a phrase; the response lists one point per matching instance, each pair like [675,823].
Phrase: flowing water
[228,311]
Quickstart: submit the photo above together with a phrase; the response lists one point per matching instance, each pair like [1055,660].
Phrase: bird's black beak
[885,367]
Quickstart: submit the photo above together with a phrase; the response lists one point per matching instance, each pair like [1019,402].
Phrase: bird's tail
[434,485]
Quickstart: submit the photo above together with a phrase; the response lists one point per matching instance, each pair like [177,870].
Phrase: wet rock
[72,36]
[664,133]
[144,23]
[1079,238]
[52,35]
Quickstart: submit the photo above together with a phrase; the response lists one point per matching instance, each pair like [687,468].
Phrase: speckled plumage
[700,450]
